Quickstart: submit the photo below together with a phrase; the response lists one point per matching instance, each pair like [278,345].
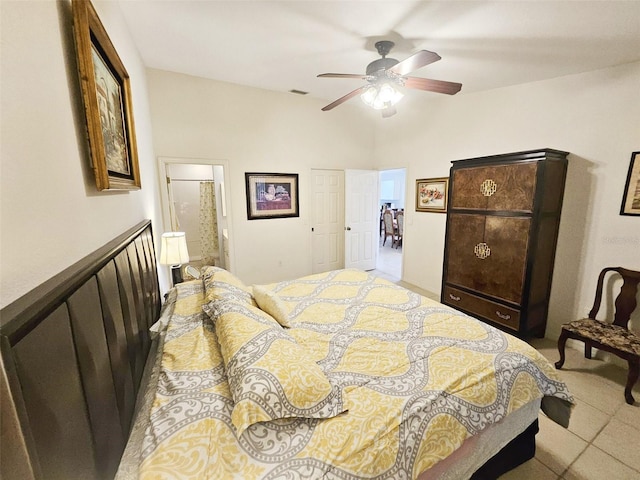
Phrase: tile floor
[603,438]
[389,262]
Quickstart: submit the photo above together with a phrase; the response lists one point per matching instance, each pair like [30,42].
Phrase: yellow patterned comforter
[417,379]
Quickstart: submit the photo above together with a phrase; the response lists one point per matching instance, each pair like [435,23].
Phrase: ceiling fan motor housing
[383,47]
[380,64]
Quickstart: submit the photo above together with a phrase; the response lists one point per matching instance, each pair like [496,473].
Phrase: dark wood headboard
[73,353]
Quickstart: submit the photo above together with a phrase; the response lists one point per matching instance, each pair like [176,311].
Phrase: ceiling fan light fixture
[381,96]
[384,74]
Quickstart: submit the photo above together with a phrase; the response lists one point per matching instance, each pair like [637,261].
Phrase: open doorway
[392,200]
[194,202]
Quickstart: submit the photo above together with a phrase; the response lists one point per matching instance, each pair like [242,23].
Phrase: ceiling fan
[383,74]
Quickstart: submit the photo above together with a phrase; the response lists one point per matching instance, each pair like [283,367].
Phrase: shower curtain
[209,245]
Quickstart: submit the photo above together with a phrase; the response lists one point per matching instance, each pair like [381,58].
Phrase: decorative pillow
[222,284]
[269,374]
[269,302]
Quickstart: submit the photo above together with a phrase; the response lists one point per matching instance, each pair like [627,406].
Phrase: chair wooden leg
[634,372]
[562,341]
[587,350]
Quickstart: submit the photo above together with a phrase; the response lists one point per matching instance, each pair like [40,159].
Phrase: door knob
[348,228]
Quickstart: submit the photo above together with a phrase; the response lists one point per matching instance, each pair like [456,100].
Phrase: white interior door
[327,220]
[362,219]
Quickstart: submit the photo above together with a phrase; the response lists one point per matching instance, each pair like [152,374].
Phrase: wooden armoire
[502,227]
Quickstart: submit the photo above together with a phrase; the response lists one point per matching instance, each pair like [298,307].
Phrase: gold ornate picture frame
[431,194]
[106,94]
[631,197]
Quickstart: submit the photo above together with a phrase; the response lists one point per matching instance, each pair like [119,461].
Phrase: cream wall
[595,116]
[51,213]
[258,131]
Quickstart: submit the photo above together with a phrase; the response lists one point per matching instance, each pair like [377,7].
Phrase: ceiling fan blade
[343,75]
[414,62]
[345,98]
[389,111]
[438,86]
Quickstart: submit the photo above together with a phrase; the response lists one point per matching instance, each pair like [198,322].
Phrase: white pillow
[272,304]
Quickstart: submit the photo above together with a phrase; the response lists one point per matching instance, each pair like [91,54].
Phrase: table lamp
[173,251]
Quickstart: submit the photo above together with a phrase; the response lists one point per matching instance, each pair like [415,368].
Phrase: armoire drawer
[509,317]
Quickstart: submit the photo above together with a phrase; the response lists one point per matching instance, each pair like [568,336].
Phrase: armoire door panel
[504,269]
[502,187]
[488,254]
[515,187]
[463,267]
[467,192]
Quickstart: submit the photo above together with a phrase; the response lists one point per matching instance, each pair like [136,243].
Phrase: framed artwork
[431,194]
[106,94]
[272,195]
[631,198]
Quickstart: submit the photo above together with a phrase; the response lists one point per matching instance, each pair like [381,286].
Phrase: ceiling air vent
[298,92]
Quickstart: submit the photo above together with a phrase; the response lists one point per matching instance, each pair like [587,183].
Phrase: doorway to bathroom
[194,201]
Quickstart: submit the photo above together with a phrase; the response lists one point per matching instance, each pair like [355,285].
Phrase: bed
[338,375]
[412,389]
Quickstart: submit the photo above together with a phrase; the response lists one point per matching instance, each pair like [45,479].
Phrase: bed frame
[73,351]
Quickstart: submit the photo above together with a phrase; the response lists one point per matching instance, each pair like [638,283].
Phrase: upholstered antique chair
[389,227]
[400,223]
[613,337]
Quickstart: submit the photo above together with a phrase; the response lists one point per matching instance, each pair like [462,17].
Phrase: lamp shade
[173,250]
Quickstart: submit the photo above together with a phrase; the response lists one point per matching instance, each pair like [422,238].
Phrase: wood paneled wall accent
[73,352]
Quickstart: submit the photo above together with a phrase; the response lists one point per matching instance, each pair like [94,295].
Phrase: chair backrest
[388,221]
[626,301]
[400,219]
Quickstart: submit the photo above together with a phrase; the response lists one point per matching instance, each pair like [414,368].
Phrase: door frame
[165,204]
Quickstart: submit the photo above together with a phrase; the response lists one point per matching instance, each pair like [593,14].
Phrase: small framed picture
[106,93]
[272,195]
[631,198]
[431,194]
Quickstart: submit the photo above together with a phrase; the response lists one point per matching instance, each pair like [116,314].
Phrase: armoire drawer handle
[503,317]
[454,298]
[488,187]
[482,250]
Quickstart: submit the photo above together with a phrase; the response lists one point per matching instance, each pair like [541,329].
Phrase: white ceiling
[284,45]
